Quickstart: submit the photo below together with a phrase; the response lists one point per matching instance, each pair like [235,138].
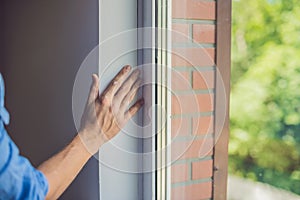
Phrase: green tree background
[265,95]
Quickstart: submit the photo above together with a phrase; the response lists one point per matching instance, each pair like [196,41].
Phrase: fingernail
[127,68]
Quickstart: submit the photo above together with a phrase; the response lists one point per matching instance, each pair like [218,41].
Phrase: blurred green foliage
[265,95]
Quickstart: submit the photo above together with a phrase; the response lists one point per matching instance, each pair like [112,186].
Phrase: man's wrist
[90,141]
[81,144]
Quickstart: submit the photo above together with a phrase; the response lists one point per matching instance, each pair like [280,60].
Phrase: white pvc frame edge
[147,19]
[163,48]
[165,79]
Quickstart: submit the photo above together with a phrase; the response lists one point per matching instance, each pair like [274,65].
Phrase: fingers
[133,110]
[116,82]
[94,90]
[130,95]
[126,87]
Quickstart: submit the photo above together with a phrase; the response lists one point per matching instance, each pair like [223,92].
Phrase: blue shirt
[18,178]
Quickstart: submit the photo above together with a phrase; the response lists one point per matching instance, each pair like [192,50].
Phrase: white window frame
[154,44]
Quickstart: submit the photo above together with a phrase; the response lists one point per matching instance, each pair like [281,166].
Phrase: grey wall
[1,34]
[42,45]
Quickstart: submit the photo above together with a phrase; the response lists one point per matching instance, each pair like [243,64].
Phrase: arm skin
[61,169]
[103,118]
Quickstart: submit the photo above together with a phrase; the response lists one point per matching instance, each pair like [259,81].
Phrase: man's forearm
[61,169]
[103,118]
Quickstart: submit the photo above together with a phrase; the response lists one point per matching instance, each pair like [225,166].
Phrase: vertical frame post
[163,78]
[223,74]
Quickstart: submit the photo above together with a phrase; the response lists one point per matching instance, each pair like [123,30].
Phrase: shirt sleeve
[18,178]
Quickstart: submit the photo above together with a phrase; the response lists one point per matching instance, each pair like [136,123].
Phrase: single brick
[203,80]
[192,103]
[193,57]
[204,33]
[202,169]
[180,127]
[179,173]
[203,125]
[192,192]
[180,80]
[180,33]
[195,148]
[194,9]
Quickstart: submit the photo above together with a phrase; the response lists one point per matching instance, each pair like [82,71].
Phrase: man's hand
[106,114]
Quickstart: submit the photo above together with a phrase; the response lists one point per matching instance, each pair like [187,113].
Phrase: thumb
[94,90]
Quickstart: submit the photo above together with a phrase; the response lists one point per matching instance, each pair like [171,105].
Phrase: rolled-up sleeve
[18,178]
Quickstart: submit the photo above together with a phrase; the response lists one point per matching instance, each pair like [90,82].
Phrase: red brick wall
[193,84]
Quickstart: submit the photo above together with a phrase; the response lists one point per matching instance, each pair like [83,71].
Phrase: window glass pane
[265,99]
